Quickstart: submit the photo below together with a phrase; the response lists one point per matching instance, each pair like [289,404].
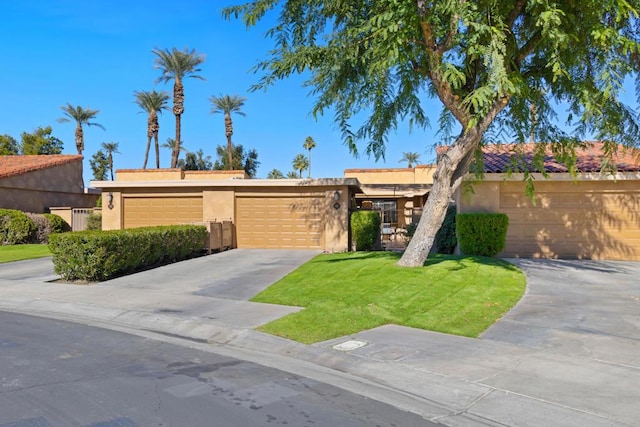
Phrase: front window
[388,211]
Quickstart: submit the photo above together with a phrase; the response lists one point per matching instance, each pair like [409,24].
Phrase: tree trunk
[149,136]
[178,109]
[451,168]
[155,129]
[228,130]
[79,139]
[309,170]
[176,147]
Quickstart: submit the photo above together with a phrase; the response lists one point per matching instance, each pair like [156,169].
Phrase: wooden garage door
[599,220]
[151,211]
[279,222]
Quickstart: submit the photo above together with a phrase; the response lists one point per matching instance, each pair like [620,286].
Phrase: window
[388,211]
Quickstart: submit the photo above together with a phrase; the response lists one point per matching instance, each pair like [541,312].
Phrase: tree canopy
[8,146]
[242,160]
[501,69]
[196,161]
[40,141]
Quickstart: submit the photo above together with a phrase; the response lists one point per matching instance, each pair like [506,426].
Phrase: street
[55,373]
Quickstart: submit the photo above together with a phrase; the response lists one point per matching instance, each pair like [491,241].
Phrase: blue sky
[97,53]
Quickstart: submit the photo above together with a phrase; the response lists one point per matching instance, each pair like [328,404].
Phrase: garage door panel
[279,222]
[154,211]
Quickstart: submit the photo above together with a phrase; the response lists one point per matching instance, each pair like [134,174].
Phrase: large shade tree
[177,65]
[152,103]
[241,159]
[40,141]
[486,61]
[226,104]
[81,116]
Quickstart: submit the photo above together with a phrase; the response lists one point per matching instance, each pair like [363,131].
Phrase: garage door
[152,211]
[279,222]
[599,220]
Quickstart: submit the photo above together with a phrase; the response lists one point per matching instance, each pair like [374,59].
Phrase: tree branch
[515,12]
[528,48]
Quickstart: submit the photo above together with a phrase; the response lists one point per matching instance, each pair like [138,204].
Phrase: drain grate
[349,345]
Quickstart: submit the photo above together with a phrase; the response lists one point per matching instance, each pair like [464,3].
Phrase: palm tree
[292,175]
[410,158]
[178,64]
[171,145]
[308,145]
[82,116]
[110,148]
[275,174]
[300,163]
[226,105]
[153,103]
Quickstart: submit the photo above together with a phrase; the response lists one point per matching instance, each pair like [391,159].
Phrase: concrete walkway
[567,354]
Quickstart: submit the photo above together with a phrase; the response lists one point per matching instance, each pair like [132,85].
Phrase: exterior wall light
[110,200]
[336,197]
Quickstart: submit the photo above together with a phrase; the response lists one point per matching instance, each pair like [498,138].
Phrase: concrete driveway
[581,308]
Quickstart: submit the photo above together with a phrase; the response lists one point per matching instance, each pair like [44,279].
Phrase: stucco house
[594,216]
[35,183]
[266,213]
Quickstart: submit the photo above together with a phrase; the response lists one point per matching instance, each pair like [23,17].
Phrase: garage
[283,221]
[584,220]
[143,211]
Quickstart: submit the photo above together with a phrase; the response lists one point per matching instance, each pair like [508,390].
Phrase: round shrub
[57,223]
[365,228]
[43,227]
[15,227]
[482,234]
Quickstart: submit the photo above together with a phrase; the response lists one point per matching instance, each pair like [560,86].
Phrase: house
[266,213]
[593,216]
[38,182]
[397,193]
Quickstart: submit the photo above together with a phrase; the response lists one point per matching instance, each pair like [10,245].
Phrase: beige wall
[41,189]
[422,174]
[590,219]
[130,175]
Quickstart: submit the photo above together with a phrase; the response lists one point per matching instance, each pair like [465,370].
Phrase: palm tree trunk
[155,128]
[149,136]
[111,165]
[155,137]
[79,139]
[178,109]
[228,130]
[309,170]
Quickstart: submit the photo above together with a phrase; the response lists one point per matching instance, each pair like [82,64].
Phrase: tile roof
[501,158]
[18,165]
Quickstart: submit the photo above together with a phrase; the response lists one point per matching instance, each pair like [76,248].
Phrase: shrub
[94,221]
[102,255]
[482,233]
[15,227]
[43,227]
[57,223]
[446,240]
[365,227]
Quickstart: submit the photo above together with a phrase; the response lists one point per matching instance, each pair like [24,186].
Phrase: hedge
[365,228]
[57,223]
[446,240]
[482,234]
[15,227]
[101,255]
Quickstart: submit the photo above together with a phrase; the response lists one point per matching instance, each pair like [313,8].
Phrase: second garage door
[280,222]
[152,211]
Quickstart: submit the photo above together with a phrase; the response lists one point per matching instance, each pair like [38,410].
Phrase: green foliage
[99,165]
[446,240]
[8,146]
[275,174]
[195,162]
[57,223]
[43,228]
[15,227]
[242,160]
[94,221]
[101,255]
[110,148]
[482,234]
[364,290]
[40,141]
[300,163]
[365,229]
[410,158]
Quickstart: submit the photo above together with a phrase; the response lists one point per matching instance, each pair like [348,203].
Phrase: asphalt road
[54,373]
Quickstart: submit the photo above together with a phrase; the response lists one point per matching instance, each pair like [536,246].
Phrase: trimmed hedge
[482,234]
[57,223]
[365,228]
[15,227]
[446,240]
[101,255]
[43,227]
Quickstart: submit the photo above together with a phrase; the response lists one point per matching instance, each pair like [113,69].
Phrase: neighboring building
[594,216]
[397,193]
[39,182]
[279,213]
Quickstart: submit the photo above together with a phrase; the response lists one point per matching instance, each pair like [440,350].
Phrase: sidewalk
[452,380]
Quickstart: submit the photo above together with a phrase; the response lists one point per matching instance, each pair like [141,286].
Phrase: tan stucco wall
[112,218]
[39,190]
[129,175]
[479,197]
[215,175]
[218,204]
[418,175]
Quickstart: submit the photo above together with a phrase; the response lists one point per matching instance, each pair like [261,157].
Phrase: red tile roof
[18,165]
[501,158]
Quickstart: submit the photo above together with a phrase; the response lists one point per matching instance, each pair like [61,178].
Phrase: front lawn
[350,292]
[10,253]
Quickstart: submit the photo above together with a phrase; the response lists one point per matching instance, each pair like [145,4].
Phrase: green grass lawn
[10,253]
[350,292]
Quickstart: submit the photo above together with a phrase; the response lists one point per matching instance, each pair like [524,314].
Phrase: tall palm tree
[308,145]
[110,148]
[153,103]
[226,105]
[300,163]
[275,174]
[177,65]
[82,116]
[171,145]
[292,175]
[410,158]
